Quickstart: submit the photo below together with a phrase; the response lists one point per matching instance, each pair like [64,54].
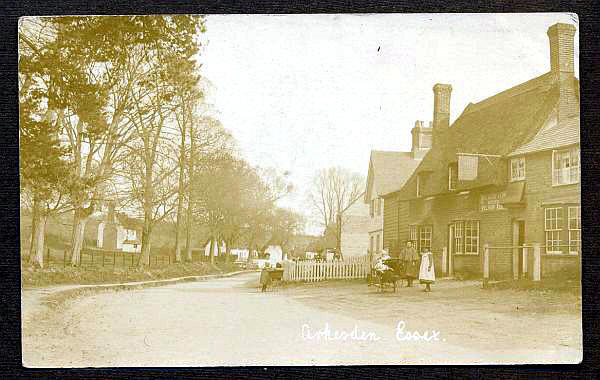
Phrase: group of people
[410,260]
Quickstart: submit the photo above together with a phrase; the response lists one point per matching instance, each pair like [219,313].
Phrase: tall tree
[172,46]
[333,190]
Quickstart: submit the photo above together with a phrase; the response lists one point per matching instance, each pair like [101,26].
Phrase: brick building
[505,173]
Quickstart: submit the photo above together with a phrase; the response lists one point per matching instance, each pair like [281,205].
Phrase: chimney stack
[441,108]
[562,48]
[421,139]
[562,67]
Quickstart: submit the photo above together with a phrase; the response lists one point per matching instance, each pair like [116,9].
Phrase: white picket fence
[310,270]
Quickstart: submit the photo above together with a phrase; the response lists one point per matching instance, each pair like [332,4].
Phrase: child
[427,272]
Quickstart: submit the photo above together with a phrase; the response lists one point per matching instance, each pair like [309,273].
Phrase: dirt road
[228,322]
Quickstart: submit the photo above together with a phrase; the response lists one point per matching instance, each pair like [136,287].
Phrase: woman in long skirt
[265,277]
[427,271]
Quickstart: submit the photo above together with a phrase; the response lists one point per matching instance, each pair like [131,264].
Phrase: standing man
[410,258]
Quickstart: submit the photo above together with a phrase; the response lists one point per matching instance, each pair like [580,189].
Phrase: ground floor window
[562,228]
[466,237]
[421,236]
[425,234]
[574,229]
[553,224]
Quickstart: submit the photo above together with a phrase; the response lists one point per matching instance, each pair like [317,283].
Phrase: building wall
[355,235]
[390,221]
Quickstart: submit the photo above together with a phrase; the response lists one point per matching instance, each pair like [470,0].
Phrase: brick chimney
[421,139]
[562,55]
[441,108]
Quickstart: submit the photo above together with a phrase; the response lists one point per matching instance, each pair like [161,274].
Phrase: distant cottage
[117,231]
[505,173]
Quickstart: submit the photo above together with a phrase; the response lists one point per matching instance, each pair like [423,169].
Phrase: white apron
[426,275]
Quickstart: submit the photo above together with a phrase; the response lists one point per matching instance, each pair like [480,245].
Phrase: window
[372,208]
[412,233]
[517,169]
[574,229]
[565,166]
[371,245]
[418,186]
[425,233]
[377,243]
[466,237]
[472,236]
[452,176]
[458,237]
[553,226]
[492,201]
[378,203]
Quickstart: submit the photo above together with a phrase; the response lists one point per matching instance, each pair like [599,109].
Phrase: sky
[305,92]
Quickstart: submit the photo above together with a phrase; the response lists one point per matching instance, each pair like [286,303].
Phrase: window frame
[553,228]
[427,230]
[463,232]
[573,173]
[452,176]
[575,230]
[520,169]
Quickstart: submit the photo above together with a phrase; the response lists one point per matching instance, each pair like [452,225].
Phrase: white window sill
[558,253]
[564,184]
[466,253]
[517,179]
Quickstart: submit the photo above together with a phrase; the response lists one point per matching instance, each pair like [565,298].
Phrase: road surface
[228,321]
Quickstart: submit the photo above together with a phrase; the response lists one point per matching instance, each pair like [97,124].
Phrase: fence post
[537,262]
[486,265]
[525,258]
[444,260]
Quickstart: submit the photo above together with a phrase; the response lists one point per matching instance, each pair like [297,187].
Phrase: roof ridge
[510,92]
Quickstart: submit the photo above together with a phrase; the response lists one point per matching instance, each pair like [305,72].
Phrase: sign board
[467,167]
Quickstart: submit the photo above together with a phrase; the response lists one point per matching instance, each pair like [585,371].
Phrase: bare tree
[333,191]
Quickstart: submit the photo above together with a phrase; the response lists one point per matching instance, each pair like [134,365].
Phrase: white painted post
[444,259]
[537,262]
[525,258]
[486,264]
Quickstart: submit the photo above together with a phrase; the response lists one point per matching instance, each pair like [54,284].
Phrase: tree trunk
[180,196]
[227,252]
[34,218]
[190,194]
[145,254]
[218,248]
[212,250]
[38,258]
[77,236]
[188,234]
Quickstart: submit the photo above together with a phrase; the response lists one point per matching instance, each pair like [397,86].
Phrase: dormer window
[517,169]
[565,166]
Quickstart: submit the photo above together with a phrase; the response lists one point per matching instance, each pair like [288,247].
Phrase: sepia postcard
[323,189]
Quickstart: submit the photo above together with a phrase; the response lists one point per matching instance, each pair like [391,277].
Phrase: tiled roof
[563,134]
[390,170]
[495,126]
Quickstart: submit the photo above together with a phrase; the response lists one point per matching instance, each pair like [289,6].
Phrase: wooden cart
[388,278]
